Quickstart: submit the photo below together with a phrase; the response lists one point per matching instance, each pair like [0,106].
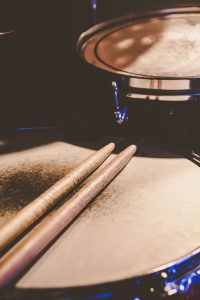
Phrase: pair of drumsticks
[20,256]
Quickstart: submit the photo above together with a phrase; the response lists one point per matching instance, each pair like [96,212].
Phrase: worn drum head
[145,221]
[162,46]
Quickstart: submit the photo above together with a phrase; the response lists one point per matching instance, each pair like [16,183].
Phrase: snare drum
[139,239]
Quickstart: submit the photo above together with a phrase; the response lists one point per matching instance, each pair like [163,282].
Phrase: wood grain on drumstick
[23,253]
[30,213]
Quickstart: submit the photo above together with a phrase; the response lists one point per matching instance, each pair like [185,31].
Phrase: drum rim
[9,32]
[82,290]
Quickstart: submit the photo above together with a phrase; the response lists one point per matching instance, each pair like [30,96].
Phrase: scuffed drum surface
[161,47]
[25,174]
[147,217]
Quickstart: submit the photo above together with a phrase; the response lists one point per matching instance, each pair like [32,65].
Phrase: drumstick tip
[131,149]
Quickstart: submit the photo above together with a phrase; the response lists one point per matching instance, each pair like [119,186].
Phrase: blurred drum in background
[153,58]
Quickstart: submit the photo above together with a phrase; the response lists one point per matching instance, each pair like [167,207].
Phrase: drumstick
[22,254]
[33,211]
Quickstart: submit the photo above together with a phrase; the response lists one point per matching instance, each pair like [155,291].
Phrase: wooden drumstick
[33,211]
[23,253]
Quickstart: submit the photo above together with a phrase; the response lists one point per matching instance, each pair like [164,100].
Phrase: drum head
[161,45]
[146,218]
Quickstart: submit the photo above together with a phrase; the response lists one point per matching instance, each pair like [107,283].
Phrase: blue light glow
[32,128]
[138,282]
[116,94]
[172,270]
[121,114]
[94,4]
[103,296]
[183,285]
[94,9]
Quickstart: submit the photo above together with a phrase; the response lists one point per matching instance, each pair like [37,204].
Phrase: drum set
[139,239]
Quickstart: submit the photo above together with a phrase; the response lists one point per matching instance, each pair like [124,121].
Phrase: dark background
[43,82]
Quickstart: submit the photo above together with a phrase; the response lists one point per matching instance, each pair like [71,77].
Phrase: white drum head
[146,218]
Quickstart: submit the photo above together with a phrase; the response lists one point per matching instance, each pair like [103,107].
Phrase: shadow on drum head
[30,138]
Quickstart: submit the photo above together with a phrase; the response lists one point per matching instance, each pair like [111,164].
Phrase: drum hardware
[187,153]
[183,146]
[123,100]
[195,155]
[121,112]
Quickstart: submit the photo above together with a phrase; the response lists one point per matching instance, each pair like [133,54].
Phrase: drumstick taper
[22,254]
[33,211]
